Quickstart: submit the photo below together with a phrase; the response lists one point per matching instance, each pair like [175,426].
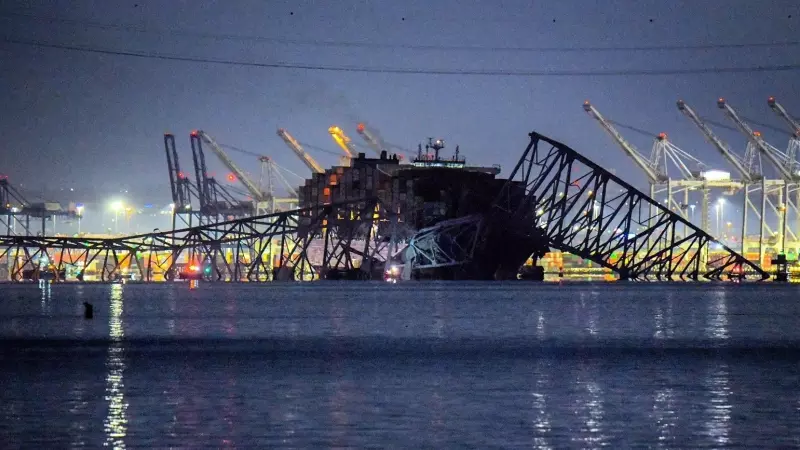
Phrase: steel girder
[299,244]
[591,213]
[448,243]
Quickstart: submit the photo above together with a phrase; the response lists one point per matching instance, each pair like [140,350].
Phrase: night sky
[94,121]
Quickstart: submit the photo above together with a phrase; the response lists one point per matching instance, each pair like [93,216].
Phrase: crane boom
[251,187]
[723,148]
[756,139]
[373,141]
[628,148]
[793,124]
[299,151]
[341,140]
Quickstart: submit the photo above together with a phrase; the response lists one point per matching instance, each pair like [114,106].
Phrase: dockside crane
[794,142]
[748,168]
[794,125]
[375,142]
[343,141]
[372,141]
[215,200]
[776,157]
[251,187]
[180,184]
[794,146]
[748,173]
[782,163]
[655,167]
[298,150]
[655,172]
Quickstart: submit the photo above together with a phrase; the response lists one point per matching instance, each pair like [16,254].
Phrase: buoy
[88,310]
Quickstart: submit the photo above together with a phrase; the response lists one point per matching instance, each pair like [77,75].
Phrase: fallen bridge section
[588,211]
[303,244]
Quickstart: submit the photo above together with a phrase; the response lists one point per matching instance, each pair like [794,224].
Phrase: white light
[715,175]
[721,201]
[117,206]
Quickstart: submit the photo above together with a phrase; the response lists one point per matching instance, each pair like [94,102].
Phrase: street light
[720,213]
[117,207]
[79,211]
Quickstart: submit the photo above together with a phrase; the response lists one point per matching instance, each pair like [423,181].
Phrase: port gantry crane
[343,141]
[183,190]
[788,183]
[262,203]
[749,168]
[372,141]
[794,147]
[377,144]
[271,171]
[655,167]
[298,150]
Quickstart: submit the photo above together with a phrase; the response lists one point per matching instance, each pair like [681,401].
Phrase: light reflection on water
[717,327]
[665,319]
[589,410]
[230,390]
[541,416]
[116,422]
[718,406]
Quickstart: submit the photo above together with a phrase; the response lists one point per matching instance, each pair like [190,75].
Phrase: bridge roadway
[582,208]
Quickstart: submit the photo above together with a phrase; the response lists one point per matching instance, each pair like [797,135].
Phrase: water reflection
[229,318]
[45,288]
[665,319]
[587,312]
[717,323]
[589,409]
[439,313]
[80,325]
[540,329]
[718,407]
[116,422]
[541,418]
[78,408]
[665,416]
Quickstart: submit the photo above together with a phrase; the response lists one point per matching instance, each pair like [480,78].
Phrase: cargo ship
[428,192]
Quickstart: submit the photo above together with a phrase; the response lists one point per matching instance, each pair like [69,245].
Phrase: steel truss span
[303,244]
[591,213]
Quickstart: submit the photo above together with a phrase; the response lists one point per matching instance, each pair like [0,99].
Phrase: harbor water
[416,365]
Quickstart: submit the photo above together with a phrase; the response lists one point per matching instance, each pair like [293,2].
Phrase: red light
[662,136]
[756,133]
[360,128]
[231,177]
[181,175]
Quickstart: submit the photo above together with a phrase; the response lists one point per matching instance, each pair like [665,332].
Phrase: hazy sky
[80,119]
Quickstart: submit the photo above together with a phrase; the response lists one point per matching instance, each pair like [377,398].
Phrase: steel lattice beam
[276,246]
[589,212]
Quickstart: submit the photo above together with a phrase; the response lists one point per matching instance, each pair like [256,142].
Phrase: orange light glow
[757,133]
[360,128]
[662,136]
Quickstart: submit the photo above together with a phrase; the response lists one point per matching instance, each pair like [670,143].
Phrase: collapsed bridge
[554,198]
